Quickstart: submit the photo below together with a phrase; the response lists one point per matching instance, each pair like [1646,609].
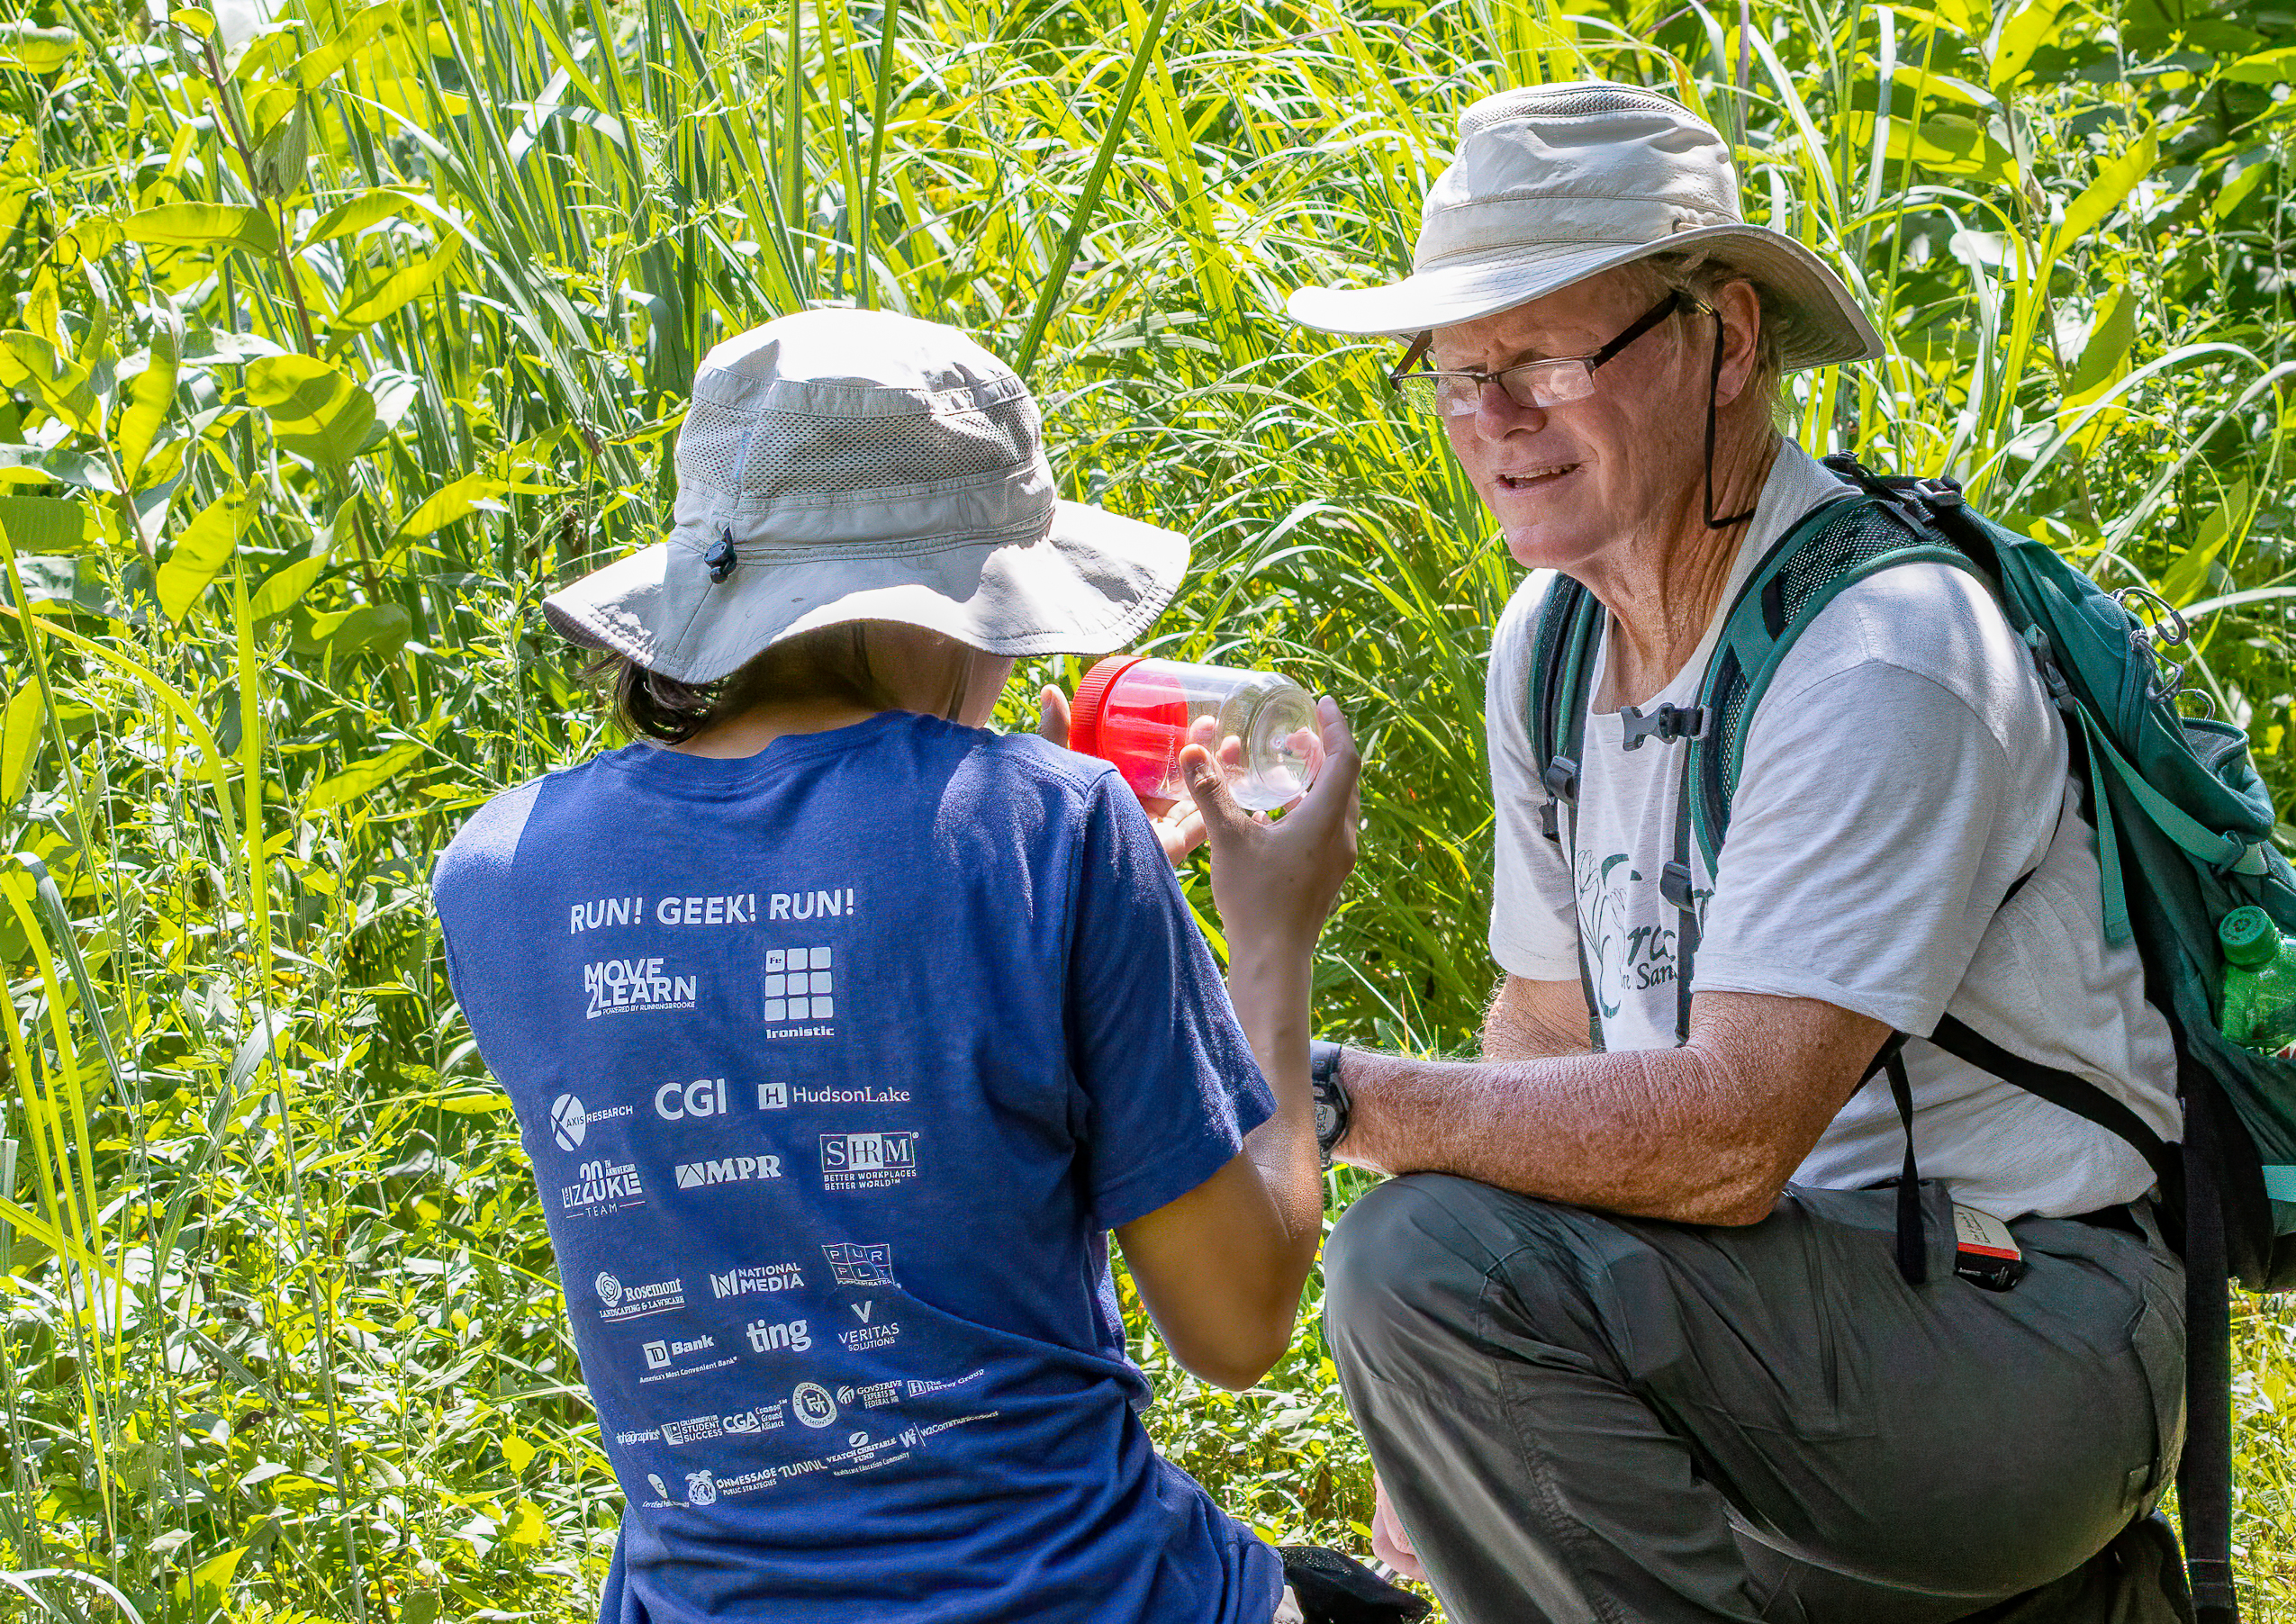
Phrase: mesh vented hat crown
[1556,182]
[839,465]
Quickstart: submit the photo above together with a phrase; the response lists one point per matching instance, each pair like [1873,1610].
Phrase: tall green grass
[334,340]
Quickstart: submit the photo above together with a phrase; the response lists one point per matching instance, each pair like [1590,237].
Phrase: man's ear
[1741,317]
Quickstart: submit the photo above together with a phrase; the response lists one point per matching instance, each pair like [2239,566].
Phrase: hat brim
[1085,582]
[1831,327]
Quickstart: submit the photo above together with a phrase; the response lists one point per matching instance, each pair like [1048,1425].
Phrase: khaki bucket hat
[839,465]
[1558,183]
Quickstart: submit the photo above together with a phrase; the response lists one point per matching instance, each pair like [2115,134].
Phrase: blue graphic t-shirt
[836,1065]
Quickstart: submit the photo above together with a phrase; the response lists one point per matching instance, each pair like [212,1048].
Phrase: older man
[1627,1335]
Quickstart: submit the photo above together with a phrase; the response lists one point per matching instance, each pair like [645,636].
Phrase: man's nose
[1498,414]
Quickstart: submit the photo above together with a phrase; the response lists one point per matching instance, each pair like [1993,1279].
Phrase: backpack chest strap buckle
[1562,779]
[1667,724]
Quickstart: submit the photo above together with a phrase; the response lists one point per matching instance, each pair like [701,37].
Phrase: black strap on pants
[2204,1476]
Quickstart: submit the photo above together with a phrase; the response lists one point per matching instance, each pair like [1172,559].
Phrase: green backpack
[2185,836]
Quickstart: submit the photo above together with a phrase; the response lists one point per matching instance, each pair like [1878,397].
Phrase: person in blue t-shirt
[841,1031]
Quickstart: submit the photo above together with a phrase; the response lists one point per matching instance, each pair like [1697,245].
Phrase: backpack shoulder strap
[1832,549]
[1562,648]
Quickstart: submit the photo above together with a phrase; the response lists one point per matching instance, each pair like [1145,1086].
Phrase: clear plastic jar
[1139,713]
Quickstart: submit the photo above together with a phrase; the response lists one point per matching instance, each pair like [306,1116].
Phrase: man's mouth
[1533,479]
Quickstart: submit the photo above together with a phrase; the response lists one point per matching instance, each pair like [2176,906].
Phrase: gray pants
[1581,1417]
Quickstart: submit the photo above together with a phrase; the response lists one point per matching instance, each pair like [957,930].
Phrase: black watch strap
[1331,1098]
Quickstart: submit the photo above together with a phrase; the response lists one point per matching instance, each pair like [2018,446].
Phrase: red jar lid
[1084,710]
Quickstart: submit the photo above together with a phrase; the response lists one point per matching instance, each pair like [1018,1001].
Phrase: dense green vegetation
[334,339]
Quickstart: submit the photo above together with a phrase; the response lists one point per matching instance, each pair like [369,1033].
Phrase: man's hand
[1179,828]
[1389,1543]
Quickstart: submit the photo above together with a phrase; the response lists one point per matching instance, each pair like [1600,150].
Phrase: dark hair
[831,663]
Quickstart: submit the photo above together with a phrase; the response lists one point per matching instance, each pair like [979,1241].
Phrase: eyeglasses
[1541,383]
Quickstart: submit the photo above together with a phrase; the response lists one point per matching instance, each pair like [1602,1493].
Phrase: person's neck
[736,736]
[1663,584]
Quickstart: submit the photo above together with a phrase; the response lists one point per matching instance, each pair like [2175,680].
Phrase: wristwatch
[1331,1098]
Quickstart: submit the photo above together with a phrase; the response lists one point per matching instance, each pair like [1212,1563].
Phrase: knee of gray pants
[1406,1268]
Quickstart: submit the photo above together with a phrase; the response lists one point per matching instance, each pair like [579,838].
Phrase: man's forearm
[1659,1134]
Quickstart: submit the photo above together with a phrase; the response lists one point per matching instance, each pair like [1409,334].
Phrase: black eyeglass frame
[1404,369]
[1658,312]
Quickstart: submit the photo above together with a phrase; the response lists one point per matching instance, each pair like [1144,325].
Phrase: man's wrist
[1330,1096]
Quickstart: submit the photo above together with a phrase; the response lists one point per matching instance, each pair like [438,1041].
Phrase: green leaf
[362,779]
[1966,17]
[450,502]
[207,1585]
[527,1527]
[349,218]
[2190,573]
[76,581]
[203,550]
[2241,180]
[410,282]
[2266,67]
[2033,26]
[1947,144]
[2114,181]
[419,1607]
[20,737]
[517,1453]
[1951,144]
[283,158]
[395,394]
[483,1104]
[31,363]
[2108,340]
[315,411]
[52,465]
[323,62]
[145,404]
[200,225]
[284,588]
[377,629]
[32,49]
[48,524]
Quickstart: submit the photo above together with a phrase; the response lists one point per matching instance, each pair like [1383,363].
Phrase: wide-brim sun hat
[1556,182]
[839,466]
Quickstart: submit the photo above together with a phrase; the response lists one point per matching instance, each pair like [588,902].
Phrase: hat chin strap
[1714,388]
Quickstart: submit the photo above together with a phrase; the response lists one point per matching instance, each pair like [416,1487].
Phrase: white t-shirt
[1904,768]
